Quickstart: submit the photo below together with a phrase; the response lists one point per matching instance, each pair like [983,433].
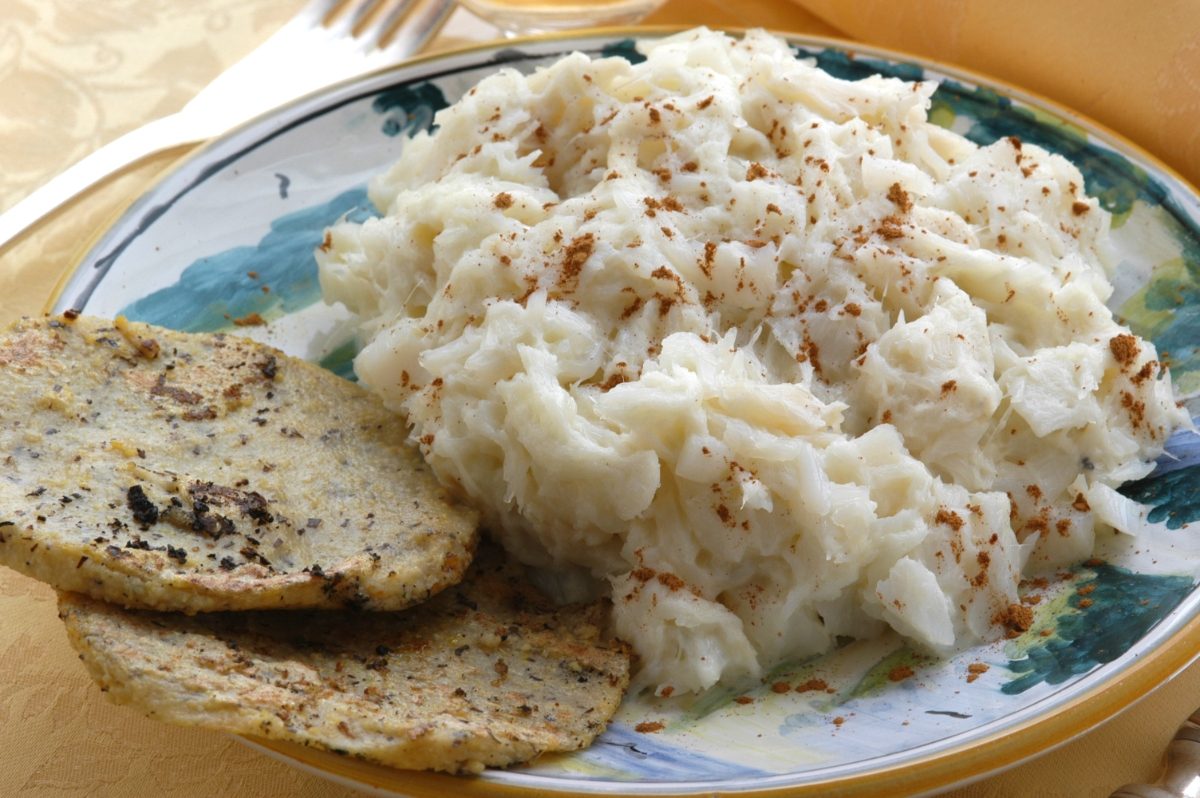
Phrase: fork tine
[315,11]
[349,20]
[382,26]
[411,24]
[248,86]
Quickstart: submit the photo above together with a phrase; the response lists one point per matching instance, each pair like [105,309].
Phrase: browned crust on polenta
[484,674]
[194,472]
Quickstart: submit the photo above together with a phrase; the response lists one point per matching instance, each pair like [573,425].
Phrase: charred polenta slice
[485,673]
[193,472]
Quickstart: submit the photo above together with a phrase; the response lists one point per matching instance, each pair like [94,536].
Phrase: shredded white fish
[763,351]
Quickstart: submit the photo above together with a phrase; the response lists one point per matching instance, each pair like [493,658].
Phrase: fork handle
[1182,776]
[119,154]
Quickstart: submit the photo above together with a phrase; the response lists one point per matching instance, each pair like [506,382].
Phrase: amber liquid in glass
[525,16]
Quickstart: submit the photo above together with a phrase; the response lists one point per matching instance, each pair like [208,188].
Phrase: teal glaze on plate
[409,109]
[218,288]
[275,277]
[1174,496]
[625,48]
[878,700]
[341,360]
[1108,612]
[1173,490]
[1167,309]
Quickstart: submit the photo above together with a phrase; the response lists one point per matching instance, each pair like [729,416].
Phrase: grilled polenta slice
[193,472]
[485,673]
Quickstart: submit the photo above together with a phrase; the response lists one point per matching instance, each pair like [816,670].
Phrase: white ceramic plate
[232,232]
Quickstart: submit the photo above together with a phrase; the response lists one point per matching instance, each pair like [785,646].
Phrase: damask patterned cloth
[75,75]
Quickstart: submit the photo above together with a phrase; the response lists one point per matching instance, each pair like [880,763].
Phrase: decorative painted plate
[230,234]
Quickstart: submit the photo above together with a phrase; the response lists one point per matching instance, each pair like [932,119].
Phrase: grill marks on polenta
[487,673]
[173,471]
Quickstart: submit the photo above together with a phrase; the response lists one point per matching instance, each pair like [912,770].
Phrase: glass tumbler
[531,16]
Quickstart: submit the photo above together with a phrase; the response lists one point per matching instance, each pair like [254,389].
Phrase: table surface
[73,76]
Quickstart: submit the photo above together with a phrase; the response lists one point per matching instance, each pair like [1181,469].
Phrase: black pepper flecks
[144,510]
[253,555]
[211,524]
[255,507]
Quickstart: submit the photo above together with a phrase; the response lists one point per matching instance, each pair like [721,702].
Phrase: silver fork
[326,42]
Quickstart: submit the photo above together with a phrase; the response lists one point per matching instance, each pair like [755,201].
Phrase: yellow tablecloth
[75,75]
